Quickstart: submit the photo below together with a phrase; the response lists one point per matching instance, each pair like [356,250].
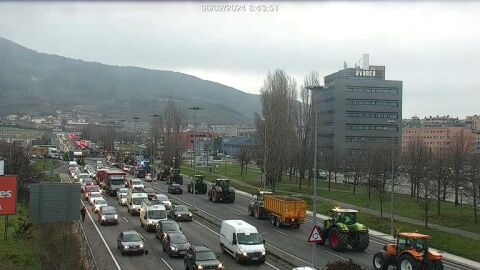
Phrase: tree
[244,158]
[461,147]
[473,182]
[427,186]
[379,162]
[174,121]
[439,168]
[156,133]
[17,162]
[278,98]
[305,126]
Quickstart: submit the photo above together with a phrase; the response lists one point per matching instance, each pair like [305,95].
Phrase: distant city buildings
[356,108]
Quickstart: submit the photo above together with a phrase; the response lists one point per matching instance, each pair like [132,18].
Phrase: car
[150,192]
[242,241]
[122,199]
[175,244]
[136,183]
[82,176]
[165,226]
[148,177]
[86,182]
[108,215]
[131,242]
[322,175]
[180,212]
[87,189]
[98,203]
[140,173]
[93,196]
[126,168]
[201,257]
[122,191]
[175,189]
[164,199]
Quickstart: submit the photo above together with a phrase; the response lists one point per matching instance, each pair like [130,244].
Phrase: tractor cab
[339,215]
[224,183]
[412,241]
[198,178]
[175,172]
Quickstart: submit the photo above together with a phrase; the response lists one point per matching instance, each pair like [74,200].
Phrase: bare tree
[473,182]
[414,161]
[440,171]
[378,160]
[174,121]
[156,133]
[278,99]
[461,147]
[427,185]
[244,158]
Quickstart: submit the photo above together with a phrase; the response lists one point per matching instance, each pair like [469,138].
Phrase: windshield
[157,214]
[93,189]
[138,201]
[181,208]
[131,237]
[162,197]
[347,218]
[178,239]
[171,227]
[109,211]
[137,182]
[95,195]
[205,256]
[149,190]
[123,190]
[100,201]
[117,182]
[249,239]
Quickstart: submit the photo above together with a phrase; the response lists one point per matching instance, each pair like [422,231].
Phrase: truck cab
[151,213]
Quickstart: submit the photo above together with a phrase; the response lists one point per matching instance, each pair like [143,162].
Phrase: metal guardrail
[87,249]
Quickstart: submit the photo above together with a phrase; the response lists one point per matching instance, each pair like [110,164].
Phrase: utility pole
[123,127]
[135,135]
[154,141]
[392,122]
[195,109]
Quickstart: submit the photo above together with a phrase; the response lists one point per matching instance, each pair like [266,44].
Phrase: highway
[286,247]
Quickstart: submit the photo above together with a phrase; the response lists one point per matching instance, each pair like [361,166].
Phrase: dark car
[175,189]
[131,242]
[150,192]
[200,257]
[175,244]
[108,215]
[140,174]
[164,227]
[180,212]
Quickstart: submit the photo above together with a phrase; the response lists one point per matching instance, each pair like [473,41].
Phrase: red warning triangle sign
[315,235]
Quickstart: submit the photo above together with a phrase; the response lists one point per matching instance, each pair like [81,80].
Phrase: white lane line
[206,227]
[236,212]
[449,266]
[168,265]
[125,219]
[280,232]
[103,239]
[338,256]
[284,252]
[271,265]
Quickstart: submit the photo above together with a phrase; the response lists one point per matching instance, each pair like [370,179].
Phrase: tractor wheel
[338,240]
[437,265]
[407,262]
[256,212]
[381,260]
[363,241]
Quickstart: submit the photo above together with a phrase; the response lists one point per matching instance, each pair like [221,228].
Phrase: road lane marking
[293,256]
[280,232]
[103,239]
[271,265]
[125,219]
[236,212]
[206,227]
[168,265]
[338,256]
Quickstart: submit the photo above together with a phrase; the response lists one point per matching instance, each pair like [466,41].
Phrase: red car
[90,188]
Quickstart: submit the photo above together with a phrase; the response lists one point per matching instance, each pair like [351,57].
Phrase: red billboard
[8,194]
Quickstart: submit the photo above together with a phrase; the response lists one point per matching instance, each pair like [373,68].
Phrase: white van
[151,214]
[242,241]
[134,202]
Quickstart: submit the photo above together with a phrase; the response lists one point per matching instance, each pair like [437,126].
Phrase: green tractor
[174,177]
[200,185]
[342,229]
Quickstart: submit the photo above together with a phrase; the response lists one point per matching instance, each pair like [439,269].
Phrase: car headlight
[190,214]
[178,215]
[150,222]
[103,217]
[199,267]
[141,245]
[263,252]
[116,216]
[173,248]
[220,265]
[244,253]
[125,247]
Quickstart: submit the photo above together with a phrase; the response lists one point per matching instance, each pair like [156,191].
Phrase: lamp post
[195,109]
[135,134]
[123,127]
[392,122]
[154,143]
[265,153]
[461,200]
[112,123]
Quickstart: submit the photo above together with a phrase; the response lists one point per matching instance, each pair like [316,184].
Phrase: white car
[136,183]
[98,203]
[121,191]
[122,199]
[164,199]
[93,196]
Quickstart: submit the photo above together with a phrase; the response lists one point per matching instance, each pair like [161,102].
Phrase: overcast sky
[433,47]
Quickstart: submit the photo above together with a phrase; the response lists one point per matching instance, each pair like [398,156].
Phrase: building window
[371,127]
[372,90]
[374,102]
[371,115]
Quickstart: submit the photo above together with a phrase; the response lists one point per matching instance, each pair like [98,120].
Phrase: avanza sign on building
[8,194]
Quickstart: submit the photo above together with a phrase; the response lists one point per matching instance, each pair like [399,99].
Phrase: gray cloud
[431,47]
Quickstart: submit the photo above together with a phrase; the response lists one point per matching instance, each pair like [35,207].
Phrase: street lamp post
[461,200]
[392,122]
[154,144]
[195,109]
[135,134]
[265,152]
[123,127]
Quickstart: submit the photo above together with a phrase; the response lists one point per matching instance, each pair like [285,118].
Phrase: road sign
[8,194]
[54,202]
[315,235]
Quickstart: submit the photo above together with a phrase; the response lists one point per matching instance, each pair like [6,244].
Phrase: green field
[17,253]
[20,133]
[43,166]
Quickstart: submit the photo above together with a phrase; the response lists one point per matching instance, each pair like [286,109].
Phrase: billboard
[8,194]
[54,202]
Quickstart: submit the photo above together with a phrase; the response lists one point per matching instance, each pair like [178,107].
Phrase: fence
[86,248]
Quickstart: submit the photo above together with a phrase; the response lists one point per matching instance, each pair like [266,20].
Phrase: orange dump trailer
[285,210]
